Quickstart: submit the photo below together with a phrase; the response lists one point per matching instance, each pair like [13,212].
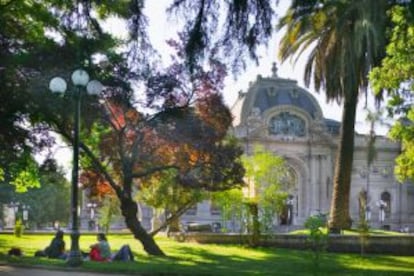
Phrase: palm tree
[346,39]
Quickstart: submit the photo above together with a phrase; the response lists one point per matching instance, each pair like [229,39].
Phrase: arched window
[386,198]
[286,123]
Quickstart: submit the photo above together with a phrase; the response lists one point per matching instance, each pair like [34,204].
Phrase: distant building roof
[268,92]
[333,126]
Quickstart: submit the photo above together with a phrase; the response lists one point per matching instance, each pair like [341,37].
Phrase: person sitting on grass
[101,251]
[56,249]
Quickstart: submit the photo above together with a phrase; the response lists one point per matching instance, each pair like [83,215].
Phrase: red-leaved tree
[184,133]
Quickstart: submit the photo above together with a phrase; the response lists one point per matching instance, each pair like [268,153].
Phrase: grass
[196,259]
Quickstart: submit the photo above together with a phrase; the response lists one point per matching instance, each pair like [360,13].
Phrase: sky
[160,29]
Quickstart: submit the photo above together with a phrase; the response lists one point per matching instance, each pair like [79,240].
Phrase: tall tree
[183,135]
[41,39]
[346,40]
[20,36]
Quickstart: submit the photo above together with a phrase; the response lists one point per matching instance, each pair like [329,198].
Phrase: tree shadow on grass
[264,262]
[276,261]
[354,264]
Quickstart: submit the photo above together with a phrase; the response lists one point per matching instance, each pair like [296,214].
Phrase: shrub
[318,239]
[18,228]
[15,251]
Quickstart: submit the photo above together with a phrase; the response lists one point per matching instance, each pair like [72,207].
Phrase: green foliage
[22,25]
[18,228]
[231,206]
[108,210]
[395,75]
[93,137]
[263,166]
[162,191]
[404,132]
[24,173]
[52,195]
[266,171]
[26,179]
[317,238]
[272,203]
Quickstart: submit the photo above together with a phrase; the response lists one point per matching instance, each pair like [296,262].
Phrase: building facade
[287,120]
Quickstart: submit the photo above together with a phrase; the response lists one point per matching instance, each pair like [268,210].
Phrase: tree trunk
[129,208]
[339,213]
[173,226]
[129,211]
[255,224]
[175,215]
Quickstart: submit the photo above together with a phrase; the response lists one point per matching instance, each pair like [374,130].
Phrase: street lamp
[80,78]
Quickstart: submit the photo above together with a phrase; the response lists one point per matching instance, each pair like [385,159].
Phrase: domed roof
[269,92]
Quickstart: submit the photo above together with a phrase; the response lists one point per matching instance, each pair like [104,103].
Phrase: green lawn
[192,258]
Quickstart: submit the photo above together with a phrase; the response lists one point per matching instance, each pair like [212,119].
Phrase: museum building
[287,120]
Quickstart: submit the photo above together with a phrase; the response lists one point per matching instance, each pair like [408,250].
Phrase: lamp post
[80,78]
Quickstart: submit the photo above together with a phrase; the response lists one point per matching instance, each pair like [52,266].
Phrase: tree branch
[174,216]
[153,170]
[97,164]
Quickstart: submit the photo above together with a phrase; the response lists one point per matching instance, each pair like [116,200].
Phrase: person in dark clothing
[56,249]
[124,254]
